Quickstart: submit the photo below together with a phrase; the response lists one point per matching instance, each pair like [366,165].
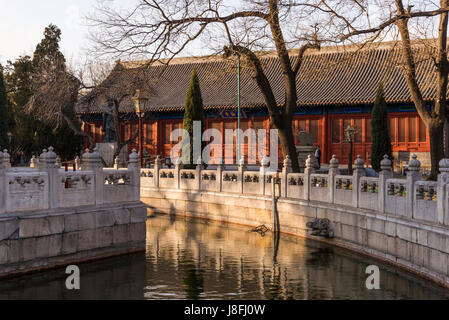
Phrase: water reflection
[194,259]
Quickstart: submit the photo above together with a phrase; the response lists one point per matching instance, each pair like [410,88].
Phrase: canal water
[197,259]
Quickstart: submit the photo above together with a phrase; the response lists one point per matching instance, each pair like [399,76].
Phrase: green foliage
[47,54]
[18,83]
[30,134]
[193,112]
[381,142]
[4,143]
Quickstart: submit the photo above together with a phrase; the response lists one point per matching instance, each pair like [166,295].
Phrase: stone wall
[418,247]
[51,238]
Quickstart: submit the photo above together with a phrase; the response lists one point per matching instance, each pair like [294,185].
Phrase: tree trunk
[350,158]
[288,143]
[436,135]
[76,131]
[446,138]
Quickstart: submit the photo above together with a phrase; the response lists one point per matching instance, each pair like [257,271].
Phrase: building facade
[336,86]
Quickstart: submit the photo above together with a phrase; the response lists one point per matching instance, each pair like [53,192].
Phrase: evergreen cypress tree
[48,59]
[22,126]
[193,112]
[4,143]
[381,142]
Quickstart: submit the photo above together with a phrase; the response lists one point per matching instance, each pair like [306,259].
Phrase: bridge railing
[369,193]
[409,197]
[46,186]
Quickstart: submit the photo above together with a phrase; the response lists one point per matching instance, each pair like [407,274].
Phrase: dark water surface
[195,259]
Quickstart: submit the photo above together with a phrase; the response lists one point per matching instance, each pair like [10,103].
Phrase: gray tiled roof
[331,76]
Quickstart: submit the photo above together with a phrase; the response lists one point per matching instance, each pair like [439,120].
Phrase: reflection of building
[336,87]
[232,263]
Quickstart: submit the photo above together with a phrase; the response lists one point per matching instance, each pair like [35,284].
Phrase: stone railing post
[286,169]
[241,170]
[92,162]
[443,180]
[134,166]
[5,163]
[219,177]
[48,164]
[413,175]
[262,172]
[3,184]
[333,171]
[177,173]
[198,169]
[384,174]
[309,169]
[157,167]
[358,172]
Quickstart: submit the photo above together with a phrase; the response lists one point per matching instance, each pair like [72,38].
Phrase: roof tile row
[333,77]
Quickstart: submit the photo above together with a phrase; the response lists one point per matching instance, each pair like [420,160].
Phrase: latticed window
[404,129]
[169,127]
[149,133]
[336,131]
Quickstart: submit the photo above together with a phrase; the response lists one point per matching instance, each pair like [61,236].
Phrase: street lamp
[140,100]
[238,107]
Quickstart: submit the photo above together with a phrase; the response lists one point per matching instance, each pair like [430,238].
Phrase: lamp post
[140,100]
[238,109]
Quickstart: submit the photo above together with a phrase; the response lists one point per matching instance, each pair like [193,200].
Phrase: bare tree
[423,24]
[159,29]
[55,91]
[117,88]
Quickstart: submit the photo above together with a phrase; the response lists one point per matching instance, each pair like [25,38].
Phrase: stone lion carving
[321,227]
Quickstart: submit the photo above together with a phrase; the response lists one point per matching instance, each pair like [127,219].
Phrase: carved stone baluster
[358,172]
[385,166]
[442,196]
[134,166]
[307,172]
[333,171]
[241,170]
[3,184]
[286,169]
[413,175]
[92,162]
[262,172]
[48,164]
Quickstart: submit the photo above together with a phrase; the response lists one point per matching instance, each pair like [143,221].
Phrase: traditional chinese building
[336,86]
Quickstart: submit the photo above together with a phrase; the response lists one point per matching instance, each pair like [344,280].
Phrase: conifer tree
[4,143]
[381,142]
[193,112]
[31,83]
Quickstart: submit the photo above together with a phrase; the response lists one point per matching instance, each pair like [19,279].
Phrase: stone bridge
[51,217]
